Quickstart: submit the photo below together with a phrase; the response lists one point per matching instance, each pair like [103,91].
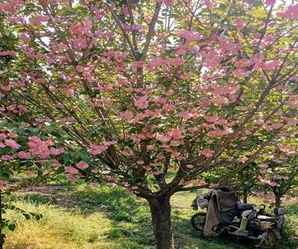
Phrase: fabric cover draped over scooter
[221,209]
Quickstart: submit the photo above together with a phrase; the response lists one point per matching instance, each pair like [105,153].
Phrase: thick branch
[151,30]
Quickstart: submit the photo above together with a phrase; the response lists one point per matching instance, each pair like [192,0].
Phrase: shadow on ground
[129,216]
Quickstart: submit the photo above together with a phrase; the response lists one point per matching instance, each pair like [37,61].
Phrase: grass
[105,218]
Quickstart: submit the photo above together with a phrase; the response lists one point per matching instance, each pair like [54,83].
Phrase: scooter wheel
[269,240]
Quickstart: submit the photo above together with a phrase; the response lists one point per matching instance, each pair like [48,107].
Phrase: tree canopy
[148,94]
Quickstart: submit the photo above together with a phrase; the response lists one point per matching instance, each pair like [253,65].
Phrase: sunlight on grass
[61,229]
[109,218]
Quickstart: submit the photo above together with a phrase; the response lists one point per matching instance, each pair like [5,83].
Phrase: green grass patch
[84,217]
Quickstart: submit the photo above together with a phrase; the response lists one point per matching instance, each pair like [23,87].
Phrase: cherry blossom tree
[279,173]
[150,95]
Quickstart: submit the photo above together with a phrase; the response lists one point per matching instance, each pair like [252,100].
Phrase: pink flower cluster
[166,2]
[7,139]
[97,149]
[8,53]
[72,172]
[80,33]
[293,101]
[141,102]
[38,20]
[174,134]
[2,184]
[270,2]
[208,153]
[291,12]
[10,6]
[190,36]
[126,115]
[42,149]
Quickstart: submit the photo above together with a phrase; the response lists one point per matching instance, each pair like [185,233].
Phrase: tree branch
[151,30]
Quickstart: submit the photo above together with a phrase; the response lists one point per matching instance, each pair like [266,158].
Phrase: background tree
[280,173]
[150,94]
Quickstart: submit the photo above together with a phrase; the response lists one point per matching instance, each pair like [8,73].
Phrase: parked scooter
[227,215]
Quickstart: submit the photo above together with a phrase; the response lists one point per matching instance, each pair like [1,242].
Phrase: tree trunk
[277,200]
[2,236]
[245,196]
[161,221]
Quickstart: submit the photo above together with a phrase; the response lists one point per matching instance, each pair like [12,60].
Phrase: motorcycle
[226,215]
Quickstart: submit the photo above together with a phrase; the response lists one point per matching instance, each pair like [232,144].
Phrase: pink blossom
[175,134]
[211,119]
[240,23]
[156,62]
[190,35]
[97,149]
[10,6]
[39,148]
[168,2]
[218,133]
[209,3]
[37,20]
[211,59]
[276,126]
[150,147]
[2,136]
[175,62]
[25,37]
[82,28]
[8,53]
[7,157]
[56,151]
[293,101]
[71,177]
[208,153]
[291,12]
[12,144]
[227,46]
[127,115]
[24,155]
[257,61]
[2,184]
[2,145]
[270,65]
[270,2]
[141,102]
[163,138]
[287,149]
[188,115]
[82,165]
[80,43]
[98,14]
[71,170]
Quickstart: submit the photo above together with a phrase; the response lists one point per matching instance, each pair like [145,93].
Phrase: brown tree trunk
[277,201]
[245,196]
[2,236]
[161,221]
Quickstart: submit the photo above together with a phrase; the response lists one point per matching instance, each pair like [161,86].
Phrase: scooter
[240,220]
